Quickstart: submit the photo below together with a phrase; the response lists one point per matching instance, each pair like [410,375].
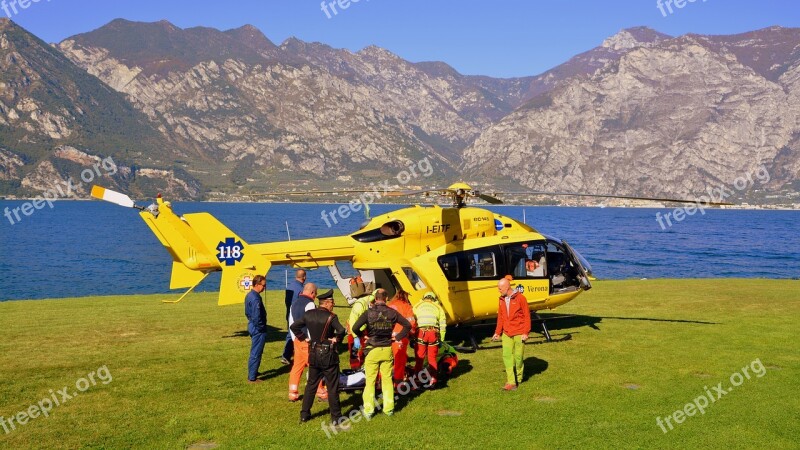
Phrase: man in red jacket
[514,322]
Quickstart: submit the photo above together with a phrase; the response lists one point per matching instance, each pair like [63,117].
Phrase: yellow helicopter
[459,253]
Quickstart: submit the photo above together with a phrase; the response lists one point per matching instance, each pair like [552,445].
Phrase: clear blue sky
[498,37]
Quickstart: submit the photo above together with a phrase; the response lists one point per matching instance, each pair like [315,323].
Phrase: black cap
[325,295]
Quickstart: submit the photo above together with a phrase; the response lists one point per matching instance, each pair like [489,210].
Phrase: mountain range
[204,113]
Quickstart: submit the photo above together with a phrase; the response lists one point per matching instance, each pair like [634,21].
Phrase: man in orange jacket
[514,322]
[401,304]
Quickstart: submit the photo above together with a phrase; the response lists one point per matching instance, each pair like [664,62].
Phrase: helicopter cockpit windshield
[566,270]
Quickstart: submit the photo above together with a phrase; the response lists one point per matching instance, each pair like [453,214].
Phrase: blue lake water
[96,248]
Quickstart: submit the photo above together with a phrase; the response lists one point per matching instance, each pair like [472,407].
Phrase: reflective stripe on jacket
[357,309]
[430,314]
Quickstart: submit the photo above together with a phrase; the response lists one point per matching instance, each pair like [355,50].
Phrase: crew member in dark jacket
[310,328]
[293,291]
[256,326]
[380,321]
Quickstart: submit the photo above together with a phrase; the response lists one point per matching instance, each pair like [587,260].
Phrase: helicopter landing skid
[535,318]
[545,332]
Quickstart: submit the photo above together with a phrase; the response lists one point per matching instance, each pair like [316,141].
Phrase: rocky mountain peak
[437,69]
[251,37]
[373,51]
[770,52]
[634,37]
[161,47]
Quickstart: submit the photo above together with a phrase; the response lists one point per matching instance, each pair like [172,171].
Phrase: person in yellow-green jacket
[431,326]
[358,307]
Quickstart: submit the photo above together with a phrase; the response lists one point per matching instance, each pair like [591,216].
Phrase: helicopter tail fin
[199,244]
[230,254]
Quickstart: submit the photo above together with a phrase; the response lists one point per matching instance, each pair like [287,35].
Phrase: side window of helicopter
[527,260]
[415,280]
[449,265]
[483,263]
[478,264]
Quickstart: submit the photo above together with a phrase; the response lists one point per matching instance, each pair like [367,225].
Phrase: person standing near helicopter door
[380,321]
[360,306]
[401,304]
[432,324]
[514,324]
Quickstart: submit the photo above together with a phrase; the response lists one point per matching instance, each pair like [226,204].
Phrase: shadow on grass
[351,401]
[273,334]
[464,366]
[461,337]
[273,373]
[533,366]
[701,322]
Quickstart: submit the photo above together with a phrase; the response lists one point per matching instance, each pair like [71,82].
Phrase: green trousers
[379,359]
[513,350]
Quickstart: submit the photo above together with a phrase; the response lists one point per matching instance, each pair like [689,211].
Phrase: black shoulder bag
[323,354]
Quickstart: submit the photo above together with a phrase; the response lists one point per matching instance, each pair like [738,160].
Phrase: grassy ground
[638,350]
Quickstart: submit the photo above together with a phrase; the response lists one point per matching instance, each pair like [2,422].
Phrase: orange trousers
[427,345]
[400,352]
[299,366]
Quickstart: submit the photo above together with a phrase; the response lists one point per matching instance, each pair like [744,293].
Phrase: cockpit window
[527,260]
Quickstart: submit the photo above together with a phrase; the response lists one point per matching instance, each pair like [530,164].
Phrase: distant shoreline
[239,202]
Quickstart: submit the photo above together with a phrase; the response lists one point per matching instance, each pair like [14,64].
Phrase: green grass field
[638,350]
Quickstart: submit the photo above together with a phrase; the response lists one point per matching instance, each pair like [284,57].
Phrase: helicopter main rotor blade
[344,191]
[405,193]
[114,197]
[624,197]
[490,199]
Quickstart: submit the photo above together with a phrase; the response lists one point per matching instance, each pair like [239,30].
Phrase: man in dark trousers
[293,290]
[256,326]
[380,321]
[323,329]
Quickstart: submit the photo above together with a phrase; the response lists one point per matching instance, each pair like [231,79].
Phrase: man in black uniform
[318,321]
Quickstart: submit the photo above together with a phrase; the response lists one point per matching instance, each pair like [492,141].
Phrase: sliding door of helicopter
[471,278]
